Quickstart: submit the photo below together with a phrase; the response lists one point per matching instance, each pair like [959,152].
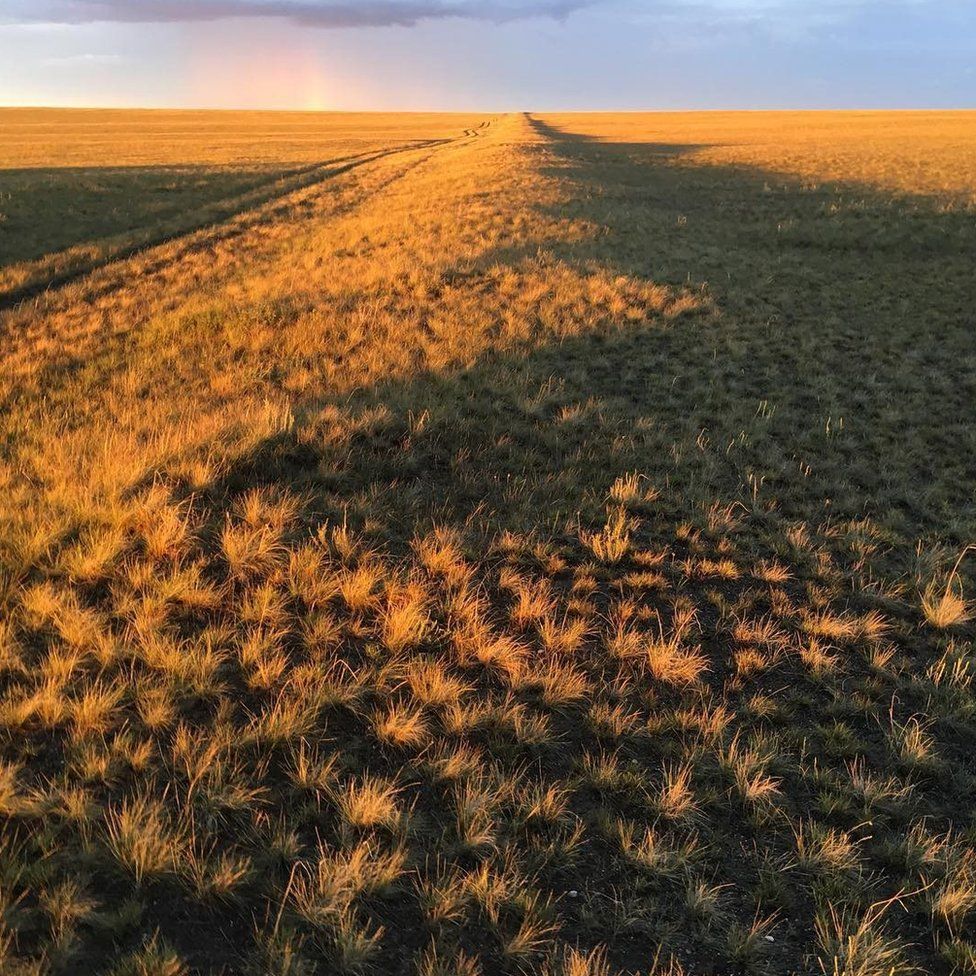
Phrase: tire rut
[229,224]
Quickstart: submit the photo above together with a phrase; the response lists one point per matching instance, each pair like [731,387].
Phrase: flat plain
[84,186]
[455,545]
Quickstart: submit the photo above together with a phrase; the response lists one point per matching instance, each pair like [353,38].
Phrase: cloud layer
[783,17]
[307,13]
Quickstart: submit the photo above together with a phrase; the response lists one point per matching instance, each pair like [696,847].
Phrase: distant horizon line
[469,111]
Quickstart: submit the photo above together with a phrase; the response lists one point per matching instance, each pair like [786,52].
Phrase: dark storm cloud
[308,13]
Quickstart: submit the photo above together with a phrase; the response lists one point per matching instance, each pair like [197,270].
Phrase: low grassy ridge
[538,550]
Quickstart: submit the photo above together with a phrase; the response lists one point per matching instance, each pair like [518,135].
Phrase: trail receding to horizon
[459,546]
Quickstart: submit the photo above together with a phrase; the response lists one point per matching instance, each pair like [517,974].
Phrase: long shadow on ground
[800,399]
[820,375]
[824,360]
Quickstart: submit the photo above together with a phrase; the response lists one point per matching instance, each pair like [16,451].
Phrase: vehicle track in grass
[423,522]
[82,318]
[221,214]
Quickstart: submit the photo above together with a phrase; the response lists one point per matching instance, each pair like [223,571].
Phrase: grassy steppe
[78,188]
[533,551]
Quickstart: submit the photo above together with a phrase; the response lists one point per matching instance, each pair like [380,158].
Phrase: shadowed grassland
[78,188]
[537,552]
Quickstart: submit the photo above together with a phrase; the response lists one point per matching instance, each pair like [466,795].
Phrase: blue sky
[490,54]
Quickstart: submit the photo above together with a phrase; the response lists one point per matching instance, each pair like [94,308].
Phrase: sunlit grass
[507,556]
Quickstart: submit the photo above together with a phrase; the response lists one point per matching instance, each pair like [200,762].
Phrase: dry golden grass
[81,187]
[52,138]
[916,153]
[519,552]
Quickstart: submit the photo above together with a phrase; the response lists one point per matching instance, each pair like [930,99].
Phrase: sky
[493,55]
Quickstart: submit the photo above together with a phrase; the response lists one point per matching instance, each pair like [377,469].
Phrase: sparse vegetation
[457,564]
